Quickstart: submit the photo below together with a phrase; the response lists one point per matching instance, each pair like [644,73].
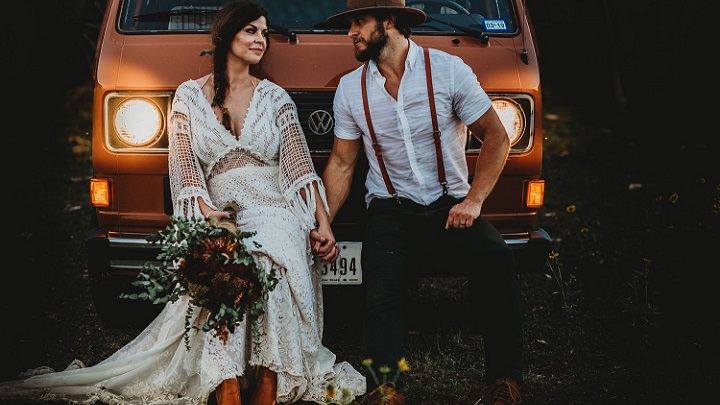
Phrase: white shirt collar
[410,62]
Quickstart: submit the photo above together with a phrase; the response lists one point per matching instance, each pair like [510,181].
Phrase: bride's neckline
[233,112]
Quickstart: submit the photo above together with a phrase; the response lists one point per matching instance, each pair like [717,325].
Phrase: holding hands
[324,244]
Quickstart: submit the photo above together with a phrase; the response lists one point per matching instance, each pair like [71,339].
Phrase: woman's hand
[210,215]
[323,243]
[214,217]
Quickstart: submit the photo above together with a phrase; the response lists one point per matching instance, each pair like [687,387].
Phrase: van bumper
[114,259]
[531,250]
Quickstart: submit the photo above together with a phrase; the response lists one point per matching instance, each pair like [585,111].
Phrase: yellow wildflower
[403,366]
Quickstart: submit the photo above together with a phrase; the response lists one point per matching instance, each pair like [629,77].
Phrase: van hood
[314,62]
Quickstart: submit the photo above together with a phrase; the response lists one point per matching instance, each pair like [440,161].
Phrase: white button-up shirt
[403,127]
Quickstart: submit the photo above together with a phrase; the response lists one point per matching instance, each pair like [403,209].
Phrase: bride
[233,137]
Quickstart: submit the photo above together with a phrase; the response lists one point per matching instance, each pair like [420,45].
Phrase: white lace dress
[263,171]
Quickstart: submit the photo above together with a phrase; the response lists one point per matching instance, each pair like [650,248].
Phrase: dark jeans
[398,238]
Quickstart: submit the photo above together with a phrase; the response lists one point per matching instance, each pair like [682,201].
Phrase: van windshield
[459,17]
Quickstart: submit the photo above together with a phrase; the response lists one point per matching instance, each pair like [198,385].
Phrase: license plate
[346,270]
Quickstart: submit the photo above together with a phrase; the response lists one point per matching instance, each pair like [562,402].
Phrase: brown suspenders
[375,144]
[436,130]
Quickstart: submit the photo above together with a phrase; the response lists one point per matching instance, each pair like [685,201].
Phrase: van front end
[147,48]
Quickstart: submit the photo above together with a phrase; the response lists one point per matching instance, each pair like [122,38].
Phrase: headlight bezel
[158,103]
[526,109]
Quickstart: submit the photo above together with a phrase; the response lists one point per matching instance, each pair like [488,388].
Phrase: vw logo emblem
[320,122]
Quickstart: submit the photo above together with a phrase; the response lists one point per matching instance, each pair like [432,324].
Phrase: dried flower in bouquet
[212,265]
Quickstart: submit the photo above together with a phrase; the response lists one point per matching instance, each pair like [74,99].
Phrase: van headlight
[512,117]
[137,122]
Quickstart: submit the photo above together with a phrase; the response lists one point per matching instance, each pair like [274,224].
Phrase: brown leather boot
[266,388]
[228,392]
[504,391]
[384,395]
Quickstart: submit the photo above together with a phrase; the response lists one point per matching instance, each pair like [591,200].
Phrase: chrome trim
[108,111]
[516,239]
[529,125]
[320,122]
[137,240]
[126,265]
[129,240]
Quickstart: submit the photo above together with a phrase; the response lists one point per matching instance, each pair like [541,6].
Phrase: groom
[418,210]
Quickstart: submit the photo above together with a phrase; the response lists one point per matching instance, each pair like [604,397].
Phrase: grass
[623,313]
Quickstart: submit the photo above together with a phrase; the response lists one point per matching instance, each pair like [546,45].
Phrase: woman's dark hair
[232,18]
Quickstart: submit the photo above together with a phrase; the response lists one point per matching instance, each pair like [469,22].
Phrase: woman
[233,138]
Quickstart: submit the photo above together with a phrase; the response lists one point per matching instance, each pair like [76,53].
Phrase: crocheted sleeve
[297,172]
[187,182]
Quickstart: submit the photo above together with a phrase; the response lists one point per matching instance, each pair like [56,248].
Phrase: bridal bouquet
[212,265]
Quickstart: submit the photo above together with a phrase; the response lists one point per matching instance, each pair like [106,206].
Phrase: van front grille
[316,116]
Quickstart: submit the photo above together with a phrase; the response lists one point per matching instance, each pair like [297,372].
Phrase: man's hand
[462,215]
[323,244]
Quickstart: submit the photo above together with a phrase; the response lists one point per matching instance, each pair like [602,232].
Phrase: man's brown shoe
[384,395]
[504,391]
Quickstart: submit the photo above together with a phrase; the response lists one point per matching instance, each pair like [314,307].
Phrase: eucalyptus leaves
[213,266]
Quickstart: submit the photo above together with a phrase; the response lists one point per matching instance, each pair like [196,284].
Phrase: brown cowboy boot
[266,388]
[228,392]
[384,395]
[504,391]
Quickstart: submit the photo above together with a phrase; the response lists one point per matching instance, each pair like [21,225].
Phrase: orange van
[146,48]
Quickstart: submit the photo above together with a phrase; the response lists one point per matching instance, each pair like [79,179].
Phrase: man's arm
[338,173]
[489,165]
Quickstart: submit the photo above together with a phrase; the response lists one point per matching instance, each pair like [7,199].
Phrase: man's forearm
[337,187]
[493,155]
[338,173]
[487,172]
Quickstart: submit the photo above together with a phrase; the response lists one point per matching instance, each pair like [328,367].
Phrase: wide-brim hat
[412,16]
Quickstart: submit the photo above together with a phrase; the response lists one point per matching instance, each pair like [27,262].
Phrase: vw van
[146,48]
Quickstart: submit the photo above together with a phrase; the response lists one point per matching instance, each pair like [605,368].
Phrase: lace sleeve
[186,177]
[297,172]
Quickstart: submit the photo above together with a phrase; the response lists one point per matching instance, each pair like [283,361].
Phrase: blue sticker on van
[495,25]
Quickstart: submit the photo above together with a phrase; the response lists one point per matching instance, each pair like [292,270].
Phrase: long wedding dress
[264,170]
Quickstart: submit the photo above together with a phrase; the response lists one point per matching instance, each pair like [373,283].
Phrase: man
[416,213]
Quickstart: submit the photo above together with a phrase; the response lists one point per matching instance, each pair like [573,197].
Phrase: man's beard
[374,44]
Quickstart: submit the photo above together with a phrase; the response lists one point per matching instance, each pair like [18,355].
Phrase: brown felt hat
[413,16]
